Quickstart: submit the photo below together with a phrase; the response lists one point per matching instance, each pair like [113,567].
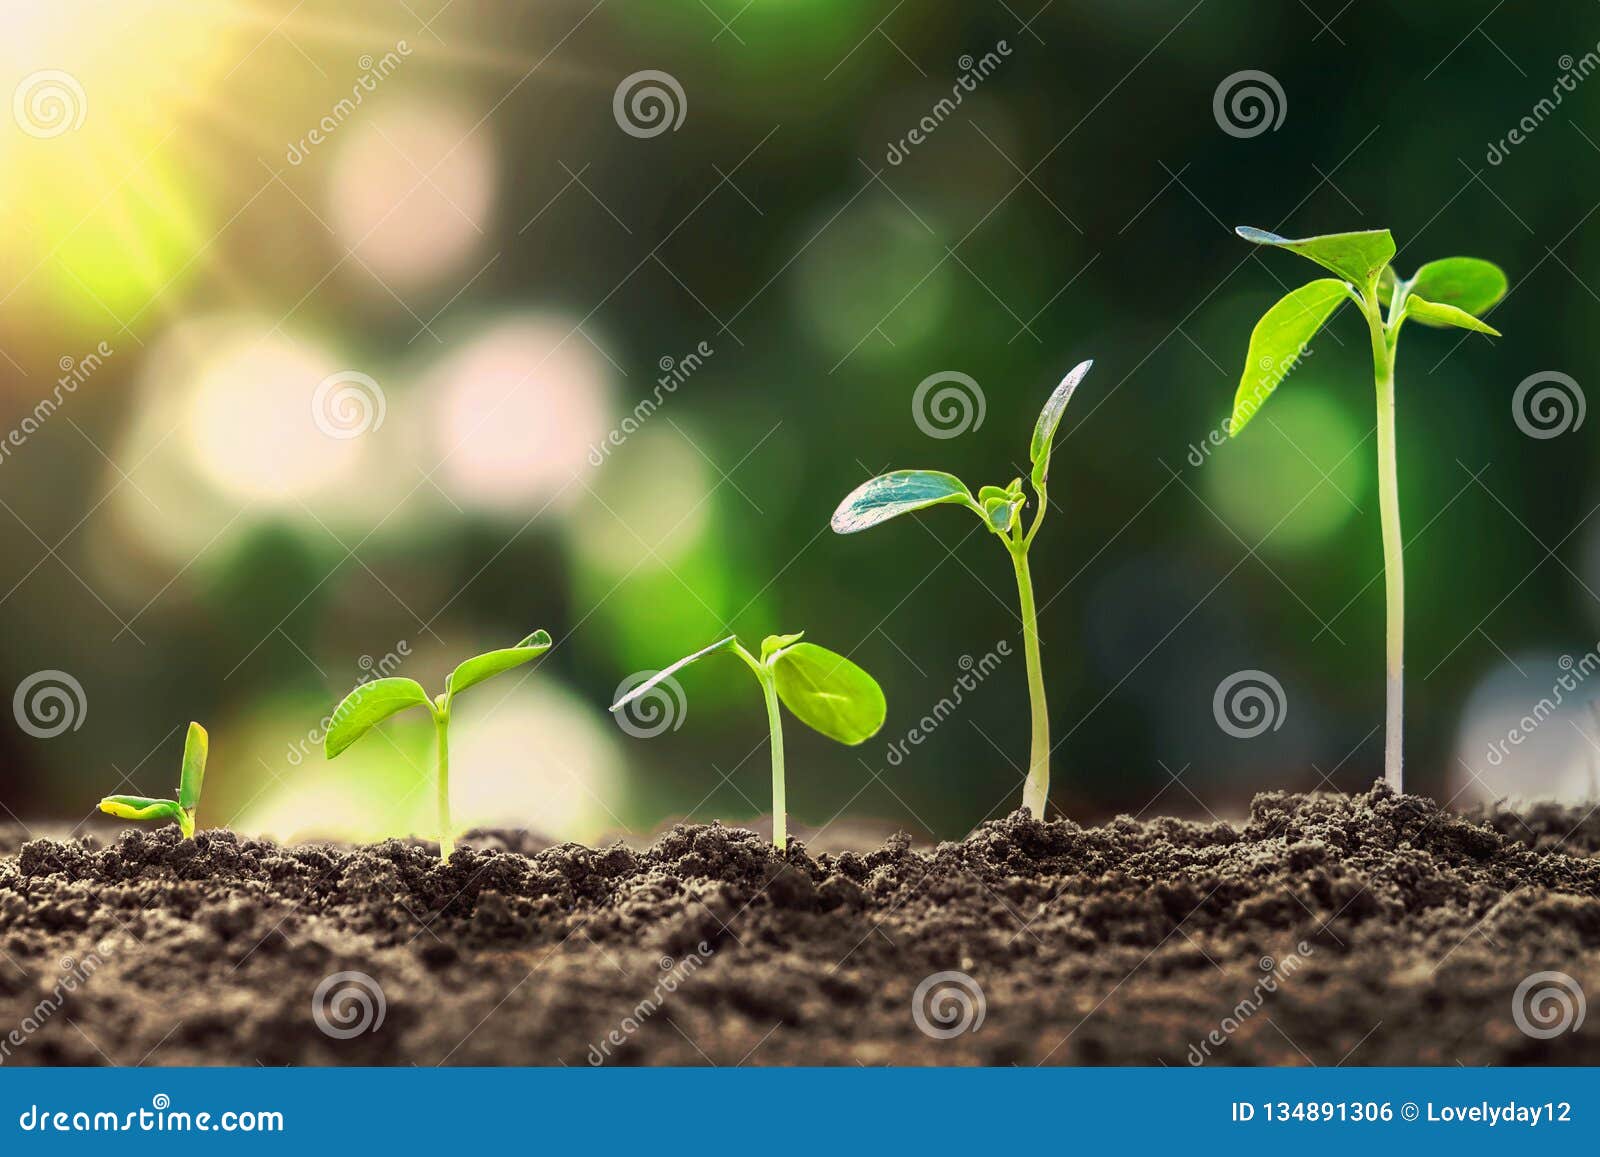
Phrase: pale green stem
[1394,580]
[447,843]
[1036,789]
[780,817]
[186,822]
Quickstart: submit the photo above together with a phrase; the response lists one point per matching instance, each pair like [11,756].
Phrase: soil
[1397,933]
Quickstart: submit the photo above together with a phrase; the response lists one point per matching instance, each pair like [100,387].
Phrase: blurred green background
[350,297]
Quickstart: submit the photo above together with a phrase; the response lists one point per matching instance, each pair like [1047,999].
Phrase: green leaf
[1001,511]
[1433,313]
[898,492]
[1386,283]
[1044,431]
[829,693]
[772,644]
[1356,257]
[196,747]
[138,807]
[492,663]
[728,644]
[1277,342]
[1469,284]
[368,705]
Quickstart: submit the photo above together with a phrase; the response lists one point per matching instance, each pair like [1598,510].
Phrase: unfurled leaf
[492,663]
[138,807]
[1278,341]
[829,693]
[1386,283]
[1433,313]
[1356,257]
[898,492]
[772,644]
[368,705]
[727,644]
[1044,431]
[1470,284]
[196,747]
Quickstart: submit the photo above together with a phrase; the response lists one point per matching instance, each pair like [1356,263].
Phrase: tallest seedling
[1451,292]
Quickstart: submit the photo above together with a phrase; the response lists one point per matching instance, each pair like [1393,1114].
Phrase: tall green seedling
[1000,509]
[1454,291]
[373,702]
[825,690]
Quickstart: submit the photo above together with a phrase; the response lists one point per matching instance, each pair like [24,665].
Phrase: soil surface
[1371,929]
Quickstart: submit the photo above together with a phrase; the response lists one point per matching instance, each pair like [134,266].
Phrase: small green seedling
[1000,509]
[372,703]
[828,692]
[137,807]
[1450,292]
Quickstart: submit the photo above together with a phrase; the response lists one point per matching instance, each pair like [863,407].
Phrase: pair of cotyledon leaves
[824,690]
[196,746]
[1449,292]
[373,702]
[902,491]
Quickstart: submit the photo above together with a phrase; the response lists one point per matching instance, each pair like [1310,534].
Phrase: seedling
[1450,292]
[826,691]
[196,746]
[1000,509]
[373,702]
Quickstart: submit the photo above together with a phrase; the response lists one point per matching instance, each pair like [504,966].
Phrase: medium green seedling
[825,690]
[1454,291]
[373,702]
[1000,509]
[196,746]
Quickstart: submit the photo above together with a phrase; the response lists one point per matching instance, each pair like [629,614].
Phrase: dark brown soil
[1397,934]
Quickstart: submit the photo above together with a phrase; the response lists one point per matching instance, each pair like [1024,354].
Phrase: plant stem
[1036,789]
[186,822]
[1394,580]
[780,816]
[447,843]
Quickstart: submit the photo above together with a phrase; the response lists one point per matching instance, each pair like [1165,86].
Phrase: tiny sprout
[828,692]
[1000,509]
[372,703]
[137,807]
[1449,292]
